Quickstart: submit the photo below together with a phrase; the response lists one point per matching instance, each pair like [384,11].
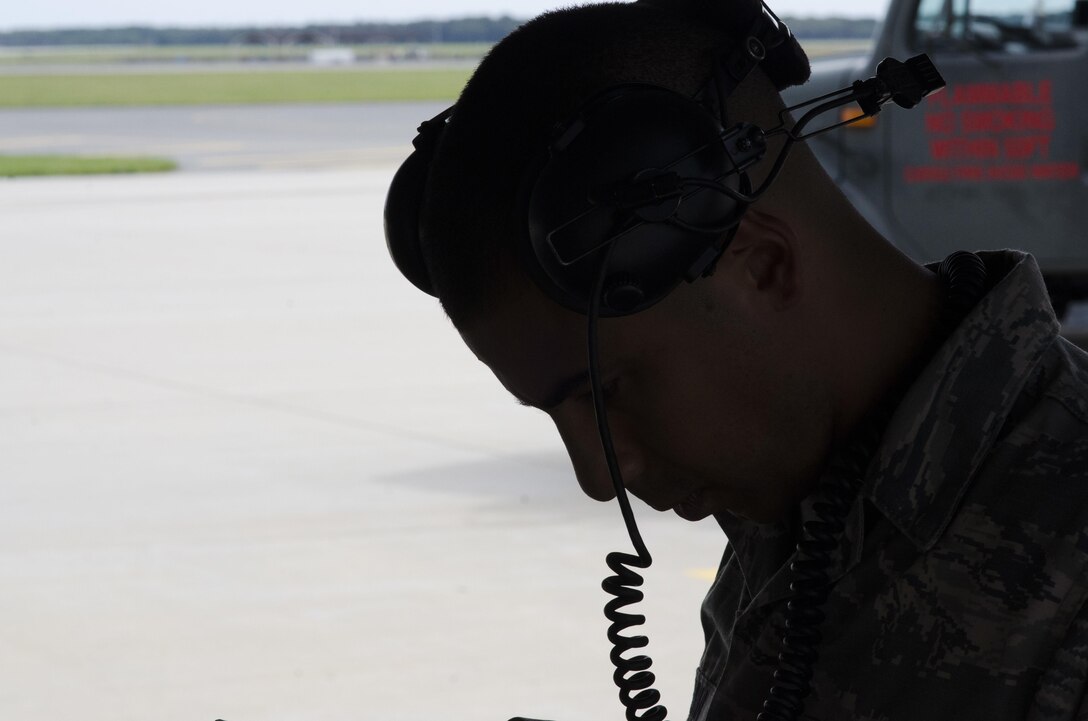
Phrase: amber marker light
[850,112]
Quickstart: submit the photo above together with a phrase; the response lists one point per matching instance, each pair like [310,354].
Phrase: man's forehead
[531,345]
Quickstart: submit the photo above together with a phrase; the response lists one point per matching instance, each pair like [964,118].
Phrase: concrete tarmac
[225,138]
[250,473]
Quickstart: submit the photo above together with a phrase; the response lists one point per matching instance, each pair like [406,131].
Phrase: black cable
[819,540]
[632,675]
[963,278]
[601,412]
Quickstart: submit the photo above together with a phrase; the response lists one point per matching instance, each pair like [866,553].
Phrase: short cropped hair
[537,77]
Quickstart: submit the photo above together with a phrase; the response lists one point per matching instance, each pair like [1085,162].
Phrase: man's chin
[695,507]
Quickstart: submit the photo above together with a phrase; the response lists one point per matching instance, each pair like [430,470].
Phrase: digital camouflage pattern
[962,577]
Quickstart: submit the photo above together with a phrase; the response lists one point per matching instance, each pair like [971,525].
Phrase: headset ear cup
[577,211]
[402,208]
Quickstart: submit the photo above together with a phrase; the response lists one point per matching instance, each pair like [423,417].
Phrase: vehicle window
[1010,26]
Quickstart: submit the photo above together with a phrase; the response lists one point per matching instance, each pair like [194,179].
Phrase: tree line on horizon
[462,30]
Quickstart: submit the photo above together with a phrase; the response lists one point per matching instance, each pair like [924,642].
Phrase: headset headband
[766,42]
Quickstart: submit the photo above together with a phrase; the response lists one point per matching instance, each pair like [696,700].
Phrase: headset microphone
[908,82]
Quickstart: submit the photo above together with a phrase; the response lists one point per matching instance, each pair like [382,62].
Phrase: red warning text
[984,132]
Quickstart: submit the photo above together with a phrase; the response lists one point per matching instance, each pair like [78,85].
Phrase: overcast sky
[31,14]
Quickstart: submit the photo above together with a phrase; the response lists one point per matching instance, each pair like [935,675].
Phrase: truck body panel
[997,159]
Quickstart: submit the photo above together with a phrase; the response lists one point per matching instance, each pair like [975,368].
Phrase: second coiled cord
[962,276]
[820,538]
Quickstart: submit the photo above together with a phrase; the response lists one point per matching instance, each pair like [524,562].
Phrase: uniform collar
[764,550]
[938,435]
[953,413]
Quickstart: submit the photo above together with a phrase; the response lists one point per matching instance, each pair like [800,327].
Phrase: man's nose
[578,429]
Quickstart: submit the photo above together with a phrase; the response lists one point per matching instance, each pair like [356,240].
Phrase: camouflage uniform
[961,579]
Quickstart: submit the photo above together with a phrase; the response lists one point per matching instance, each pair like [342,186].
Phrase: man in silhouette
[958,581]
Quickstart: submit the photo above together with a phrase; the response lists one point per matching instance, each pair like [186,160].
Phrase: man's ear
[763,256]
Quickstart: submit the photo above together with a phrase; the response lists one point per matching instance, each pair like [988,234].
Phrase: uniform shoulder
[1069,386]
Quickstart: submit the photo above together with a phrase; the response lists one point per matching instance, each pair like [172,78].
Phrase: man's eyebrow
[559,393]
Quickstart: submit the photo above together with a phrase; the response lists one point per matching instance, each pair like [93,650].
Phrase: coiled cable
[962,276]
[820,538]
[632,676]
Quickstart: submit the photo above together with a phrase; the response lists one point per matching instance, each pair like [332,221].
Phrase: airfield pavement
[225,138]
[249,473]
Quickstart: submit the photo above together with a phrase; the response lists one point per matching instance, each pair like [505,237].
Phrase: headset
[649,173]
[644,188]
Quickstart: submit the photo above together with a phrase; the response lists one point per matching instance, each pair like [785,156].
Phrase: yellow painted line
[309,158]
[701,574]
[129,145]
[38,141]
[166,147]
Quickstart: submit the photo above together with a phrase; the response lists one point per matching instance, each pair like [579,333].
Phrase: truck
[998,159]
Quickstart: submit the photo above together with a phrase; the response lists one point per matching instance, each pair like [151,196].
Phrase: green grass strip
[229,88]
[263,84]
[12,166]
[115,54]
